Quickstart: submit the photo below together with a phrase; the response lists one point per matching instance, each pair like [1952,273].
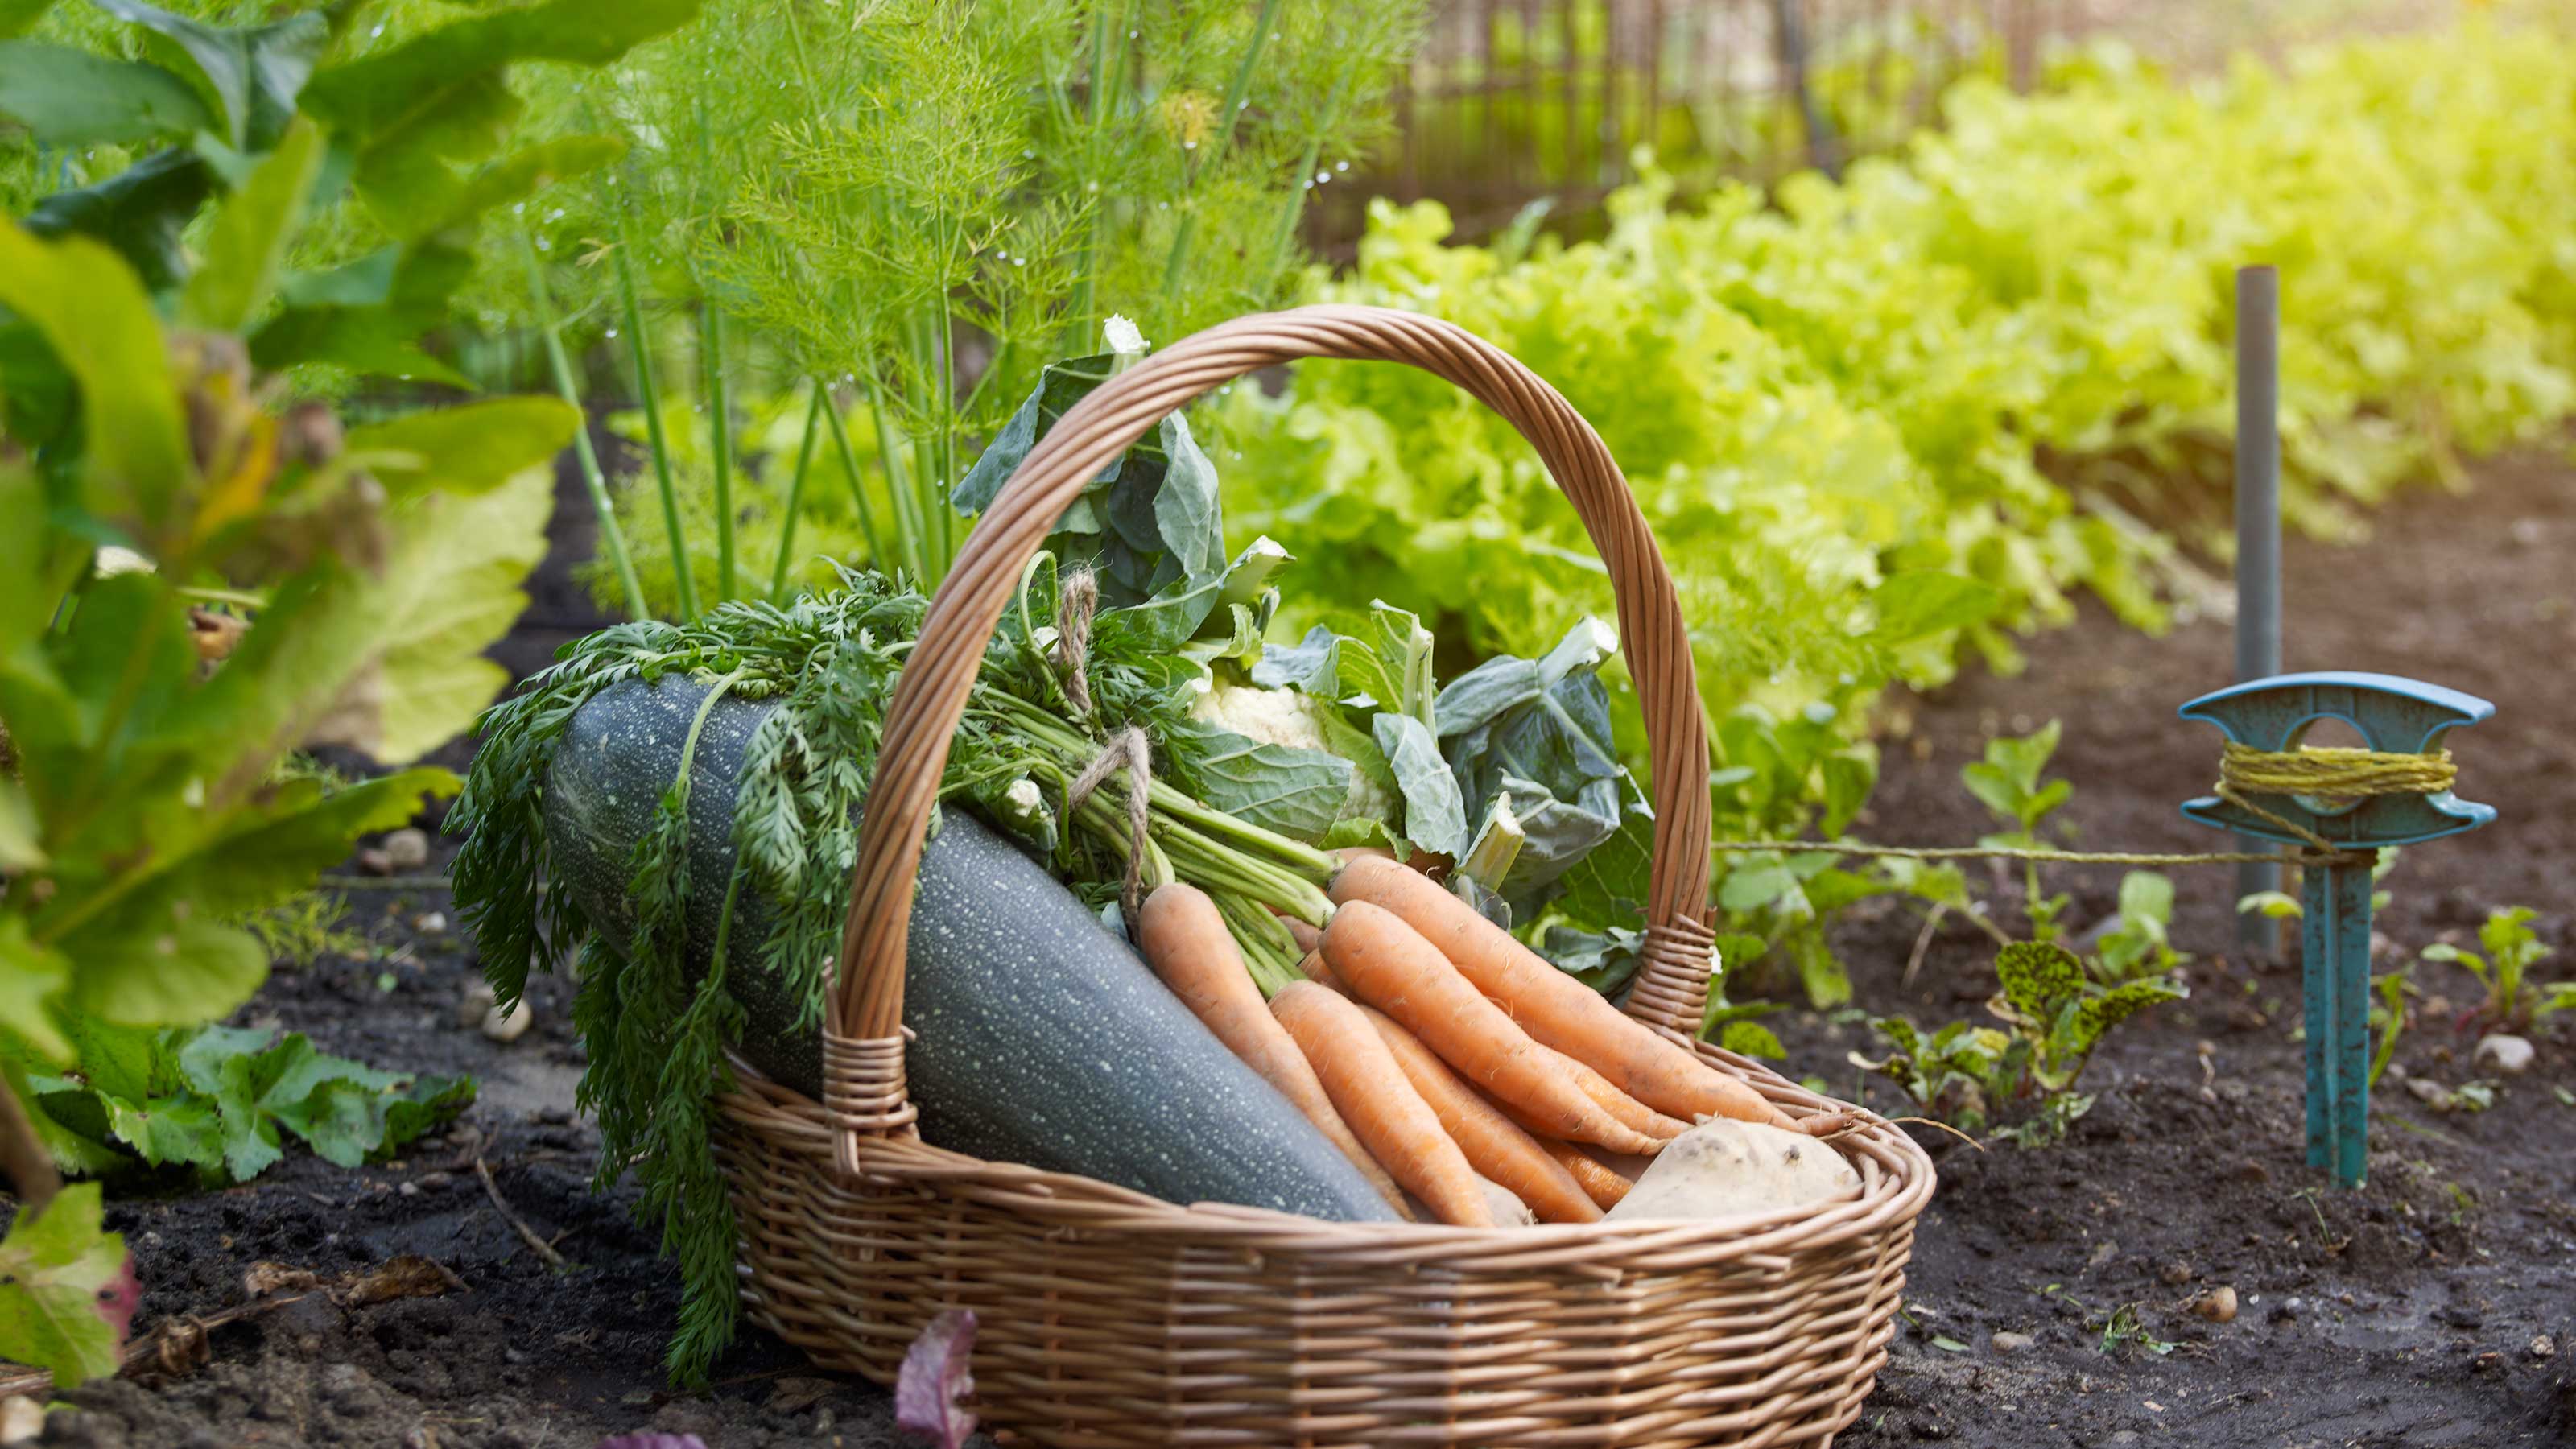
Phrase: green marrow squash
[1041,1038]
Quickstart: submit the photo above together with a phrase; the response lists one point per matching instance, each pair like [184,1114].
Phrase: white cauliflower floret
[1296,720]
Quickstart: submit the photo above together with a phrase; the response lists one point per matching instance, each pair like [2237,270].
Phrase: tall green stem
[899,488]
[610,535]
[796,493]
[719,441]
[858,485]
[1223,138]
[1296,204]
[639,344]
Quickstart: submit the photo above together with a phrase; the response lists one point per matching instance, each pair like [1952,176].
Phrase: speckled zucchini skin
[1041,1038]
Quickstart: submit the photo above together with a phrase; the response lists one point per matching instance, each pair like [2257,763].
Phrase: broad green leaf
[141,212]
[66,1292]
[452,588]
[2099,1013]
[21,844]
[165,1130]
[1822,972]
[2039,977]
[1148,522]
[348,1112]
[1608,885]
[2276,905]
[69,98]
[1295,792]
[87,303]
[166,971]
[1310,666]
[417,112]
[1401,648]
[246,243]
[1752,1039]
[17,17]
[368,316]
[524,173]
[1994,788]
[463,450]
[1913,605]
[251,74]
[31,976]
[1434,816]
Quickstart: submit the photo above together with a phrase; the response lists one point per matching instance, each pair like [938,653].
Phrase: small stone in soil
[2544,1346]
[509,1026]
[2175,1275]
[2010,1342]
[400,850]
[2508,1056]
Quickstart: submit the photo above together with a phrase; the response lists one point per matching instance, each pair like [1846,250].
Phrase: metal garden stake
[2258,528]
[2388,806]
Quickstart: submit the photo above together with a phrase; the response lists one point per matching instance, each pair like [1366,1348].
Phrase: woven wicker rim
[867,1113]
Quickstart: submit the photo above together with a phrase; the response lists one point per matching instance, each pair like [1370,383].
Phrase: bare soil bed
[2436,1306]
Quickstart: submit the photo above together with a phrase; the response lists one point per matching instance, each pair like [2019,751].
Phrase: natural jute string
[1128,749]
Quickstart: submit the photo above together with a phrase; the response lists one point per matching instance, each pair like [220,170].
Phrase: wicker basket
[1110,1318]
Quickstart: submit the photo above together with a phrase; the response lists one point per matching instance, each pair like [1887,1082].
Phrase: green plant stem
[1223,141]
[898,485]
[1295,207]
[796,492]
[858,485]
[719,441]
[640,349]
[610,535]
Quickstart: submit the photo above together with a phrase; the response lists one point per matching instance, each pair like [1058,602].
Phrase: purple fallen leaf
[654,1441]
[119,1298]
[937,1374]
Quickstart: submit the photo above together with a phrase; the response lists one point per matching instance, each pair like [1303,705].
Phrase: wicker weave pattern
[1113,1319]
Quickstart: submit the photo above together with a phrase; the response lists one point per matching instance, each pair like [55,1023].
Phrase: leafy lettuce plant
[2024,1071]
[1996,363]
[2509,948]
[214,1099]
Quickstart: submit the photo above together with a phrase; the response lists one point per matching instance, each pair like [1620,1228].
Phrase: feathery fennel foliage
[922,203]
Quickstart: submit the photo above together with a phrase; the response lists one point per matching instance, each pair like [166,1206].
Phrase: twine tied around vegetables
[1128,749]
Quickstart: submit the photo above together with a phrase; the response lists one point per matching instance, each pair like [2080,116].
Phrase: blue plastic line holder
[2394,716]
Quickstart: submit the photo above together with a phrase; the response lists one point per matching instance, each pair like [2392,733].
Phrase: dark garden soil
[2436,1306]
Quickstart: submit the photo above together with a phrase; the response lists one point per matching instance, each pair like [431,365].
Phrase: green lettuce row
[1891,420]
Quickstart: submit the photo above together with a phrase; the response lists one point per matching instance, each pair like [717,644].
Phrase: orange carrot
[1604,1186]
[1312,967]
[1618,1103]
[1553,1007]
[1387,965]
[1493,1145]
[1307,937]
[1380,1105]
[1185,940]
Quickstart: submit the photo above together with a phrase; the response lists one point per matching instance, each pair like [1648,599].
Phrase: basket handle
[863,1083]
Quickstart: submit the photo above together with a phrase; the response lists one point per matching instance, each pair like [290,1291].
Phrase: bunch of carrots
[1432,1048]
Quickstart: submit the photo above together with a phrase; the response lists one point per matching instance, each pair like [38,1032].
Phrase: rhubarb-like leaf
[67,1293]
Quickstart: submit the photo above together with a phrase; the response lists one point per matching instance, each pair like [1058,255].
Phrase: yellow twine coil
[2334,771]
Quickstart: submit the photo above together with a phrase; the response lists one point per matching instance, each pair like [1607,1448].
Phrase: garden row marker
[2258,531]
[2397,718]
